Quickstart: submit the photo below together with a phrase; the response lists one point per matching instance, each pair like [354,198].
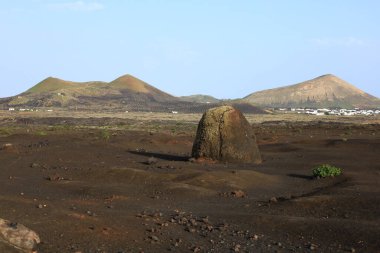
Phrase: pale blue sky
[225,48]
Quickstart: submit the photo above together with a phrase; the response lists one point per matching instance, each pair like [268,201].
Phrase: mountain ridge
[200,98]
[323,91]
[130,93]
[125,93]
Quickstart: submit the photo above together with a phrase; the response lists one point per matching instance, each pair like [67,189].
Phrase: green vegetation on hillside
[50,84]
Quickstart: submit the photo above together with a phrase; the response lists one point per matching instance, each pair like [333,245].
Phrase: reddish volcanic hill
[126,93]
[323,91]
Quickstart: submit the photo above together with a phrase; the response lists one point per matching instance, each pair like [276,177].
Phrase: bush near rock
[224,134]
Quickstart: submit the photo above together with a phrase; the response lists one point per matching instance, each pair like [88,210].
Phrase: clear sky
[224,48]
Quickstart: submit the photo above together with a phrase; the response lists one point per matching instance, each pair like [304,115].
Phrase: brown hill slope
[130,84]
[126,93]
[56,92]
[323,91]
[199,98]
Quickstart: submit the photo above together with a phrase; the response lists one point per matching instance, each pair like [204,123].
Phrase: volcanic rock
[321,92]
[224,134]
[18,236]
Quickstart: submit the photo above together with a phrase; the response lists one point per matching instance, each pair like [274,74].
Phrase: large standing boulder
[224,134]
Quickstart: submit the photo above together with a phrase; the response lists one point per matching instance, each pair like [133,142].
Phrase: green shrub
[4,132]
[41,133]
[105,134]
[326,170]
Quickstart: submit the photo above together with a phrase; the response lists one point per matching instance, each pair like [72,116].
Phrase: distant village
[325,111]
[27,109]
[307,111]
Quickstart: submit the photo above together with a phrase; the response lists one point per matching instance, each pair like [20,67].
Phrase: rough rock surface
[18,236]
[224,134]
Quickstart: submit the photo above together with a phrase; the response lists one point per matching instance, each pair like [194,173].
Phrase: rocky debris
[54,177]
[177,242]
[140,150]
[154,238]
[238,194]
[233,194]
[202,160]
[254,237]
[90,213]
[273,200]
[40,206]
[196,249]
[155,223]
[192,224]
[312,246]
[167,167]
[199,234]
[236,248]
[39,144]
[149,215]
[224,134]
[9,148]
[34,165]
[18,236]
[151,160]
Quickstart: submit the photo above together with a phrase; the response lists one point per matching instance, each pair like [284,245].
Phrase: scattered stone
[222,227]
[204,219]
[238,194]
[151,160]
[273,200]
[18,236]
[54,177]
[7,146]
[151,230]
[224,134]
[196,249]
[34,165]
[236,248]
[154,238]
[312,246]
[191,230]
[255,237]
[177,242]
[170,167]
[162,224]
[89,213]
